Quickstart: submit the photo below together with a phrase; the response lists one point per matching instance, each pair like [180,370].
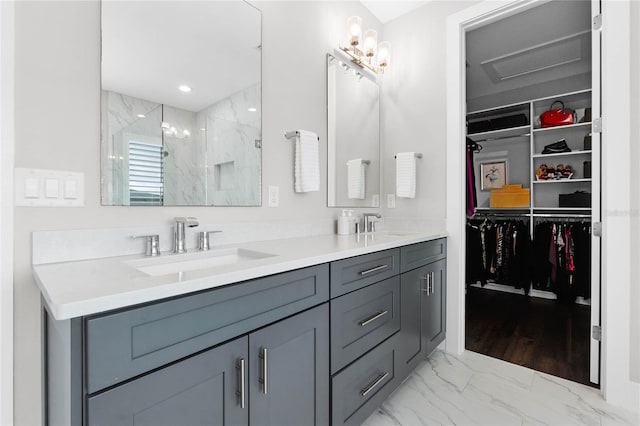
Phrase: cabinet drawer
[360,388]
[416,255]
[125,344]
[362,319]
[356,272]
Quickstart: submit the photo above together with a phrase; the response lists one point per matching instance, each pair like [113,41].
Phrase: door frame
[615,361]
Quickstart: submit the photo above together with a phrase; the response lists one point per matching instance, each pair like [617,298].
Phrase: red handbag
[557,117]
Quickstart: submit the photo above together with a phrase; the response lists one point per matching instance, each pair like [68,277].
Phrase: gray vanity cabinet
[207,389]
[423,301]
[289,371]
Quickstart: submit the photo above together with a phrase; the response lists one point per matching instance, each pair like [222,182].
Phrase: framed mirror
[181,103]
[353,135]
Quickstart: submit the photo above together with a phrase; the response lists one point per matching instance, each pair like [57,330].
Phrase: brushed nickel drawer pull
[373,318]
[376,269]
[373,384]
[240,392]
[264,364]
[433,280]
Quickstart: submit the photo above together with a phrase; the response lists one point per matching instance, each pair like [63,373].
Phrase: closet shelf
[562,128]
[552,181]
[538,210]
[511,132]
[562,154]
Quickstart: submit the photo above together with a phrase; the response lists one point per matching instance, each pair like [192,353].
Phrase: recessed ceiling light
[184,88]
[140,115]
[252,109]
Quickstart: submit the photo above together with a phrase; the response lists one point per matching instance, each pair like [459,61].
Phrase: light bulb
[370,43]
[384,54]
[354,30]
[184,88]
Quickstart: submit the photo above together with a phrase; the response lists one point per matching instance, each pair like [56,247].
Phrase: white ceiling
[151,48]
[386,11]
[551,42]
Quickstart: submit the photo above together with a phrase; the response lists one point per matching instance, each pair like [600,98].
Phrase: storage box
[510,196]
[586,169]
[497,123]
[577,199]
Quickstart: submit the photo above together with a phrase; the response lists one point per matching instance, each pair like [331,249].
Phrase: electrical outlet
[391,201]
[274,196]
[375,200]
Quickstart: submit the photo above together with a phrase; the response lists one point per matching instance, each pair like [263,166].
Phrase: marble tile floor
[473,389]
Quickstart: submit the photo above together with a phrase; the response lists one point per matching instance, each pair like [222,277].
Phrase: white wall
[635,195]
[6,211]
[58,127]
[413,107]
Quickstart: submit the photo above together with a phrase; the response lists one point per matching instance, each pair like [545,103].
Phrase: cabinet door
[202,390]
[412,301]
[434,313]
[289,371]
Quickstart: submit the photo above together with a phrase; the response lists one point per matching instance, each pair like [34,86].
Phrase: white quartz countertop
[78,288]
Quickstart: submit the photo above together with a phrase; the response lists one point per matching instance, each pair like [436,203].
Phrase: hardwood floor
[541,334]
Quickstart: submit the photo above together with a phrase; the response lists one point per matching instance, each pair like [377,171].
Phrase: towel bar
[294,134]
[417,154]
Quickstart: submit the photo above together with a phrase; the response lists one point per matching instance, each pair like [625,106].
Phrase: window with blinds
[146,184]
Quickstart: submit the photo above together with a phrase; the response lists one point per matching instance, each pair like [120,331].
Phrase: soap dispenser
[344,222]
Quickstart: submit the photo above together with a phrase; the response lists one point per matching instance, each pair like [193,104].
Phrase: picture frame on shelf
[493,175]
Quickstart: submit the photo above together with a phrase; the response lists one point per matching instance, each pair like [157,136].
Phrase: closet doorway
[532,253]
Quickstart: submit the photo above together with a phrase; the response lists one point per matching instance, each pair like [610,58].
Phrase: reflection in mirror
[181,103]
[353,136]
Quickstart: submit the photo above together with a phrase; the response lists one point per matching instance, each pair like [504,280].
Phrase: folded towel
[355,179]
[307,162]
[406,175]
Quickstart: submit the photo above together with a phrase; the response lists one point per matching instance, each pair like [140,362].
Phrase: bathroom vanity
[320,331]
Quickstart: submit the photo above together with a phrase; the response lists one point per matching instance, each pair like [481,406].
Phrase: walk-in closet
[533,189]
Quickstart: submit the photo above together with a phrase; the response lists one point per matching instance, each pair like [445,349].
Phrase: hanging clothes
[562,255]
[499,251]
[472,197]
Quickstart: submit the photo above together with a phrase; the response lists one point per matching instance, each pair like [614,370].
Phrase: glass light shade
[370,43]
[354,30]
[384,54]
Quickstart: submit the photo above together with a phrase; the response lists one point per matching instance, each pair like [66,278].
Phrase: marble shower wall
[184,164]
[234,154]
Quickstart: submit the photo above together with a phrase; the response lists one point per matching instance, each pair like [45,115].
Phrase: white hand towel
[307,163]
[355,179]
[406,175]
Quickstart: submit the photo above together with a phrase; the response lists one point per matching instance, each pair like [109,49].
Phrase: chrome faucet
[179,242]
[369,223]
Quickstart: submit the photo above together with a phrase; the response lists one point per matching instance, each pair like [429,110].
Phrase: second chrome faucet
[179,233]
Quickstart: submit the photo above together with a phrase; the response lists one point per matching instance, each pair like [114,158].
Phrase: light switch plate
[391,201]
[274,196]
[48,188]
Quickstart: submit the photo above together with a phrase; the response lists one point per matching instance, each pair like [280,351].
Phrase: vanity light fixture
[184,88]
[368,53]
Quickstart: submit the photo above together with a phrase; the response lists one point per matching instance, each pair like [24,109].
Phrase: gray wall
[635,196]
[414,107]
[57,126]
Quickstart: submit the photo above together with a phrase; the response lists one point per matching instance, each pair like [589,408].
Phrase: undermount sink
[172,264]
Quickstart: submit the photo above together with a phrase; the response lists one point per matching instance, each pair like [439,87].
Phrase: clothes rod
[417,155]
[294,134]
[560,216]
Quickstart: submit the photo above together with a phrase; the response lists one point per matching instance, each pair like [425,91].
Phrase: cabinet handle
[373,384]
[240,392]
[432,281]
[425,278]
[372,318]
[376,269]
[264,363]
